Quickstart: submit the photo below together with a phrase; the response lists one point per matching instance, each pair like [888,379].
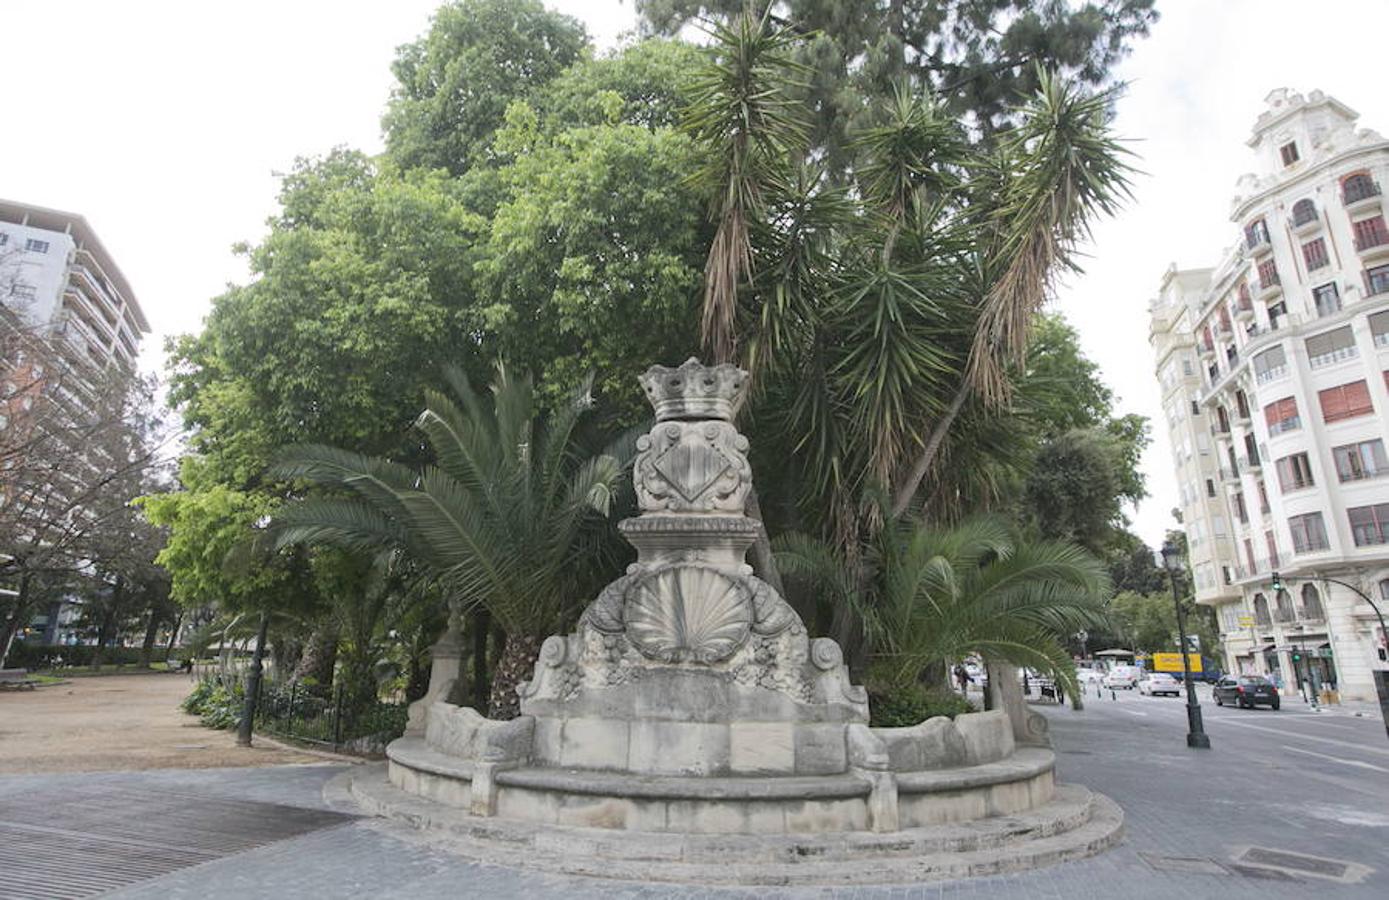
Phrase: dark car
[1246,691]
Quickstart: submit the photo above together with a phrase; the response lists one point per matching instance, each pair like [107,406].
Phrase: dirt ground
[111,722]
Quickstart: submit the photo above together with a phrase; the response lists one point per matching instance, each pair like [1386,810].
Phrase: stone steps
[1075,824]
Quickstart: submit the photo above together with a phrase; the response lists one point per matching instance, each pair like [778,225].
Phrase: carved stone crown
[695,391]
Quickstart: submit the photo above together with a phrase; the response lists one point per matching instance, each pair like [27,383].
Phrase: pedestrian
[962,678]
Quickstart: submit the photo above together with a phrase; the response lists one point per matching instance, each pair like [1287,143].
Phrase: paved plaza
[1294,792]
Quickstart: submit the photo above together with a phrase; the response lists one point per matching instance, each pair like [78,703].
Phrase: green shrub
[903,707]
[214,705]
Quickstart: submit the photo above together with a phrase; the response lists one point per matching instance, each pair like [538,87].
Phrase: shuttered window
[1294,472]
[1379,327]
[1330,347]
[1271,364]
[1314,254]
[1282,416]
[1345,401]
[1369,233]
[1268,274]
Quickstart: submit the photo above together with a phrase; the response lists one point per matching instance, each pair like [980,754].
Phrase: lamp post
[248,711]
[1381,678]
[1196,734]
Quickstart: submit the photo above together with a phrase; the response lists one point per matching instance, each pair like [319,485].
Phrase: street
[1285,804]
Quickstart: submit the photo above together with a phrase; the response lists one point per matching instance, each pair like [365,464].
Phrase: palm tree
[503,521]
[935,596]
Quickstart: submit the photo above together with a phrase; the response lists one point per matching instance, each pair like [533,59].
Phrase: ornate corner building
[1274,374]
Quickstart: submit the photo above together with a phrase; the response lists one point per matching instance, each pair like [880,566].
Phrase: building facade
[1274,371]
[55,272]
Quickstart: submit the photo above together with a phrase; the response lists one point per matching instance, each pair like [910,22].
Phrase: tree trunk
[10,626]
[482,621]
[173,635]
[151,632]
[320,657]
[907,490]
[108,620]
[516,665]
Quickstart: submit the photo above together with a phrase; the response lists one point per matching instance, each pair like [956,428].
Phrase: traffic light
[1297,657]
[1277,582]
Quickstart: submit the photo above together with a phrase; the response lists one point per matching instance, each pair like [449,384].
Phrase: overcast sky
[164,123]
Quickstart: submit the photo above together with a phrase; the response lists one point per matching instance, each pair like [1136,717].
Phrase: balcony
[1284,616]
[1244,311]
[1340,354]
[1253,463]
[97,293]
[1272,373]
[1229,475]
[1360,193]
[1372,244]
[1311,615]
[1205,349]
[1382,339]
[1292,423]
[1305,219]
[1258,243]
[1271,287]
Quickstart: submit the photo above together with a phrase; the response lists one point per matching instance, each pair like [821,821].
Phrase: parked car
[1246,691]
[1089,674]
[1156,684]
[1122,677]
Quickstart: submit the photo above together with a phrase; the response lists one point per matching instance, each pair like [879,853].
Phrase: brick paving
[1291,781]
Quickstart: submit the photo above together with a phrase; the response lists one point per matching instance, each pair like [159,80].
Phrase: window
[1376,280]
[1331,347]
[1314,254]
[4,238]
[1289,153]
[1229,617]
[1358,187]
[1283,607]
[1282,416]
[1241,512]
[1272,548]
[1379,327]
[1268,274]
[1356,462]
[1261,611]
[1327,298]
[1271,364]
[1311,602]
[1345,402]
[1210,488]
[1223,420]
[1255,234]
[1263,497]
[1304,211]
[34,245]
[1195,408]
[1294,472]
[1309,534]
[1224,316]
[22,291]
[1369,524]
[1241,405]
[1370,233]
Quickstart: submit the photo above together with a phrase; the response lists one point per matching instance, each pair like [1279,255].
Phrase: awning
[1115,653]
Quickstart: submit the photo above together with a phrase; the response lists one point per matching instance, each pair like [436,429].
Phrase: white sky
[164,123]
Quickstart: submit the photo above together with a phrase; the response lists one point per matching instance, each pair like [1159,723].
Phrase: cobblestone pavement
[1292,780]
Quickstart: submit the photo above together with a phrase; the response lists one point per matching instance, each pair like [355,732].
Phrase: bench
[16,680]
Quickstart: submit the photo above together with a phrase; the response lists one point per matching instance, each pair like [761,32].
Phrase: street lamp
[1196,734]
[1381,678]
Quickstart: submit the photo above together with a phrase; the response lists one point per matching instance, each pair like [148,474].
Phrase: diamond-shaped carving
[692,470]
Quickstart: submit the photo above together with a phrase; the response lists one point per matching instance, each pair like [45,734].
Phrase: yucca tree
[504,519]
[934,596]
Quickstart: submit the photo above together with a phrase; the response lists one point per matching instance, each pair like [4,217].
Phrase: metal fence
[294,711]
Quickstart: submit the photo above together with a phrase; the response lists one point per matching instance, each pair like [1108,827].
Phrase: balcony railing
[1311,615]
[1229,473]
[1292,423]
[1370,238]
[1272,373]
[1340,354]
[1284,616]
[1252,462]
[1382,339]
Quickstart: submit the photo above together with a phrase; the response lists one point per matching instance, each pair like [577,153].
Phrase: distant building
[1274,371]
[56,276]
[55,271]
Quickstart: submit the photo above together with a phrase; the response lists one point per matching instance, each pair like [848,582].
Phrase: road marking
[1134,712]
[1302,737]
[1344,762]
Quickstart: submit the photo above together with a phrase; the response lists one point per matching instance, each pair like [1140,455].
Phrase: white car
[1089,676]
[1158,683]
[1122,677]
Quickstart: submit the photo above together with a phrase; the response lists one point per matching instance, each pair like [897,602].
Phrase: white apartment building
[54,269]
[1274,371]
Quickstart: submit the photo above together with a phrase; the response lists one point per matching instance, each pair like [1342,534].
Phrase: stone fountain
[691,720]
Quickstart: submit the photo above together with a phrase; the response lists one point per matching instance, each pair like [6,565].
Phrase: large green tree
[978,57]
